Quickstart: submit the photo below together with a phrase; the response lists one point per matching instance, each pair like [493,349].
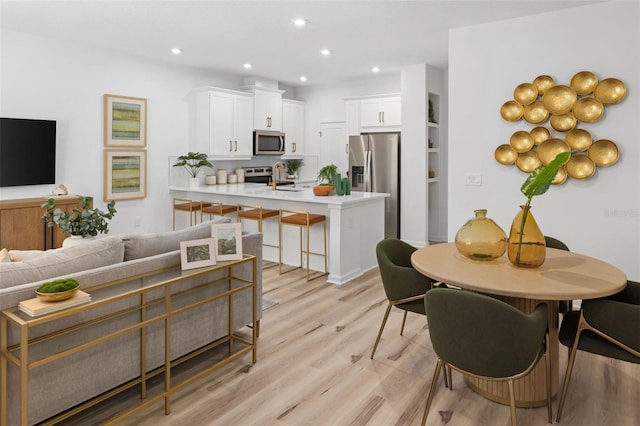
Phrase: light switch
[473,179]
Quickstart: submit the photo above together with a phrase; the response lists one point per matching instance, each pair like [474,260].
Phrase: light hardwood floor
[314,369]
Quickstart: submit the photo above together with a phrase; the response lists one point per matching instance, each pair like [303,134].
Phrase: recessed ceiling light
[325,52]
[299,22]
[247,65]
[303,78]
[375,69]
[176,51]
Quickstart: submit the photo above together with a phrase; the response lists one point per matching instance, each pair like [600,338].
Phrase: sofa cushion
[63,261]
[145,245]
[22,255]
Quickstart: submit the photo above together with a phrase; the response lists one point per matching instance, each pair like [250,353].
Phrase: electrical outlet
[473,179]
[137,222]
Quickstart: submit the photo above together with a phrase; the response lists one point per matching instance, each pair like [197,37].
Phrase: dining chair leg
[432,390]
[448,383]
[548,380]
[404,320]
[567,375]
[512,404]
[384,321]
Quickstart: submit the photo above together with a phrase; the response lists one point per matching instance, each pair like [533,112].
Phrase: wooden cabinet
[293,127]
[221,123]
[267,109]
[382,112]
[22,226]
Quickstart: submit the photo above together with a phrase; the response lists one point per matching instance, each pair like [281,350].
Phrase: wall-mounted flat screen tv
[27,152]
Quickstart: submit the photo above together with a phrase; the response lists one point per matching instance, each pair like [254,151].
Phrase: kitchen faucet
[274,168]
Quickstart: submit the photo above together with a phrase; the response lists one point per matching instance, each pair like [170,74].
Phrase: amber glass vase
[526,246]
[481,238]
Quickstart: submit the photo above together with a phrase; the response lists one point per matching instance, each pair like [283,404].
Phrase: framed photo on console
[125,121]
[228,238]
[197,253]
[125,174]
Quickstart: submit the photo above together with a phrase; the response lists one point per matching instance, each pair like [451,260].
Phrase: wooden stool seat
[186,205]
[218,209]
[303,219]
[257,213]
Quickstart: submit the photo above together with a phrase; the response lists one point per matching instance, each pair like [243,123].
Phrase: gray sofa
[65,383]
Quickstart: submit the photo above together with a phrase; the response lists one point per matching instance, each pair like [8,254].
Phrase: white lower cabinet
[293,116]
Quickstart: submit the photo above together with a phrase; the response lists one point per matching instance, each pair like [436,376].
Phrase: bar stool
[250,212]
[302,219]
[185,205]
[217,209]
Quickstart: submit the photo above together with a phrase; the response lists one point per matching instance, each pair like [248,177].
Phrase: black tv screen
[27,152]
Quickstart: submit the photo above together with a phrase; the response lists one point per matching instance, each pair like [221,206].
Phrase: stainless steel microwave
[268,143]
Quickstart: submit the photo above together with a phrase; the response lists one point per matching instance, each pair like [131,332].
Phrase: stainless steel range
[263,174]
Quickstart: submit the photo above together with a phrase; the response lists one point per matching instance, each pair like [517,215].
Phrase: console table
[157,300]
[23,228]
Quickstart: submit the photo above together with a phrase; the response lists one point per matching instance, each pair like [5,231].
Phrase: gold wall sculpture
[567,108]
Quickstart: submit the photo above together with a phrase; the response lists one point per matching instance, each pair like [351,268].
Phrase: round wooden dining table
[563,276]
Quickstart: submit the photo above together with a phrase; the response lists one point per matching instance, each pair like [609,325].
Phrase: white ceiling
[223,35]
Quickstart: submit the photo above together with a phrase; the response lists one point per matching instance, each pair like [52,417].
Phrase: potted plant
[293,166]
[326,180]
[526,243]
[192,163]
[81,222]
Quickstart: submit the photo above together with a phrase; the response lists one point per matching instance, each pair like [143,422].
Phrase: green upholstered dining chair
[404,286]
[485,338]
[607,326]
[564,305]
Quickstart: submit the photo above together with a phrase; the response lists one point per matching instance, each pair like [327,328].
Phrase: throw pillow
[4,256]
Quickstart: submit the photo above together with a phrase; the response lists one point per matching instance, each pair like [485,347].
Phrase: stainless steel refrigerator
[374,166]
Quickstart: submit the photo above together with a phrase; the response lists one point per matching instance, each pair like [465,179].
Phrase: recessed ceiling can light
[375,69]
[303,78]
[299,22]
[247,65]
[325,52]
[176,51]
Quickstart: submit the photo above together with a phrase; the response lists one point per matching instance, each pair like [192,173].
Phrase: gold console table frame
[150,294]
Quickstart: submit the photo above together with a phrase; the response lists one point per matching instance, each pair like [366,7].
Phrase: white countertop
[260,190]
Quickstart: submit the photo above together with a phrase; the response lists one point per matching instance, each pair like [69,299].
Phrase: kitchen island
[355,223]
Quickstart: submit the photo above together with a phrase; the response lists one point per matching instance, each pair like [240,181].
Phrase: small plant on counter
[327,175]
[193,162]
[293,166]
[84,221]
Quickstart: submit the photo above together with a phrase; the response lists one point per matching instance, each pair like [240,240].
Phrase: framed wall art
[125,174]
[228,238]
[197,253]
[125,121]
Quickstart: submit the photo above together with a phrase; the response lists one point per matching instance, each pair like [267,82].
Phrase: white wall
[600,216]
[66,82]
[326,103]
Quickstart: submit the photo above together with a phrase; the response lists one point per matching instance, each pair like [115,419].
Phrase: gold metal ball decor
[566,108]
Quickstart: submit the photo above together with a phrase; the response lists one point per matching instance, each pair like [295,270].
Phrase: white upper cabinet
[293,127]
[221,123]
[267,109]
[380,112]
